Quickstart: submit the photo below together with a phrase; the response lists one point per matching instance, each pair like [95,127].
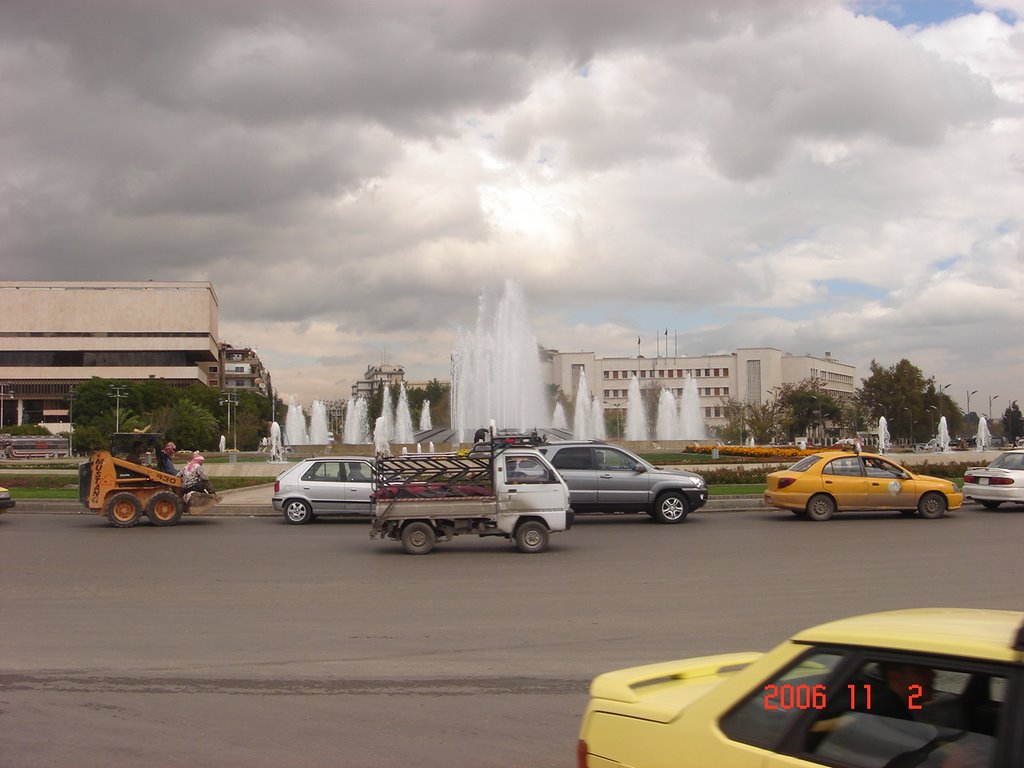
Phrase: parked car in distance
[606,478]
[818,486]
[324,485]
[1001,481]
[6,502]
[921,687]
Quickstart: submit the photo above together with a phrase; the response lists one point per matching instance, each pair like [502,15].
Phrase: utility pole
[230,399]
[72,394]
[117,391]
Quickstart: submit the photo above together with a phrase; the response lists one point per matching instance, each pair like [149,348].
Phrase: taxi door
[844,479]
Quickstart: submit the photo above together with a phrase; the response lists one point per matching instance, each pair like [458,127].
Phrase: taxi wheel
[821,507]
[932,505]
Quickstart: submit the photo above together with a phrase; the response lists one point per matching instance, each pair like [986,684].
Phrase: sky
[811,175]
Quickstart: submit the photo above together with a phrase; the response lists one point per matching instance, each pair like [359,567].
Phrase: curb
[62,507]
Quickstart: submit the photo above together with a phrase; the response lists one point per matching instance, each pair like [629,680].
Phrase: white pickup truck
[425,498]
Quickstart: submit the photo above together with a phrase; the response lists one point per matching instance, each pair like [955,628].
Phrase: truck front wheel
[417,538]
[531,537]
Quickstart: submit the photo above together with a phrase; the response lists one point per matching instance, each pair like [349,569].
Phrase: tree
[1013,423]
[735,414]
[808,404]
[911,402]
[765,420]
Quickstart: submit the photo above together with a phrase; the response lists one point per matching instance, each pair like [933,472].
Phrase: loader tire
[124,509]
[165,508]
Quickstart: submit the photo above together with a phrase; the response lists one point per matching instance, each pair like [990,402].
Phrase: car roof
[970,632]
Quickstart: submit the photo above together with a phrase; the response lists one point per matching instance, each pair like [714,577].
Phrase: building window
[754,382]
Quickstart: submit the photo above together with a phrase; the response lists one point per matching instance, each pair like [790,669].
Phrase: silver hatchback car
[325,485]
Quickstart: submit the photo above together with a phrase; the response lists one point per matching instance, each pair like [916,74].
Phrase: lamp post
[117,392]
[942,389]
[910,415]
[72,394]
[969,393]
[990,399]
[230,399]
[936,428]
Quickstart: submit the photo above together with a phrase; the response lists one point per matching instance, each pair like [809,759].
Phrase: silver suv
[325,485]
[607,478]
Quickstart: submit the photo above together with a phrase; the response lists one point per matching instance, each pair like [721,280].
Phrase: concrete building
[377,376]
[242,370]
[747,375]
[54,335]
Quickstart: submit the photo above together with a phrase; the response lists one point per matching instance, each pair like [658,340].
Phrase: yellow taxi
[818,486]
[918,687]
[6,502]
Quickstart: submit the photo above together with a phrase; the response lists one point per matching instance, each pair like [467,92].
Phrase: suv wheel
[297,512]
[671,508]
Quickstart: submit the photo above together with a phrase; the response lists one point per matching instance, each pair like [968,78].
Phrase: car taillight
[784,481]
[970,479]
[1000,481]
[277,486]
[581,754]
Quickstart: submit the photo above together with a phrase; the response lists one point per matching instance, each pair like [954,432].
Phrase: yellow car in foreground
[818,486]
[919,687]
[6,502]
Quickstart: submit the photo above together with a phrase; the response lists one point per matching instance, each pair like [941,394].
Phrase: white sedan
[1002,480]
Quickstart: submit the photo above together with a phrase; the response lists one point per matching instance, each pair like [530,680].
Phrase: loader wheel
[164,508]
[124,510]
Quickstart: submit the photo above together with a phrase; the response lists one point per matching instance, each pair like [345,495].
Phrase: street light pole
[969,393]
[942,389]
[910,415]
[936,429]
[117,392]
[231,400]
[72,394]
[990,399]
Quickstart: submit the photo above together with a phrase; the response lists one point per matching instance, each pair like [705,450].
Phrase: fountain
[884,439]
[597,415]
[667,422]
[943,435]
[582,421]
[984,436]
[691,423]
[403,418]
[558,419]
[223,444]
[496,371]
[295,424]
[319,434]
[425,422]
[357,428]
[276,449]
[380,436]
[636,417]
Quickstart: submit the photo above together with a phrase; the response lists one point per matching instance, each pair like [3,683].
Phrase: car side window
[847,466]
[609,458]
[358,472]
[573,458]
[764,717]
[881,468]
[526,470]
[908,712]
[324,471]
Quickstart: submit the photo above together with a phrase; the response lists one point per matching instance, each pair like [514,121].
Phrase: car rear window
[1008,461]
[805,463]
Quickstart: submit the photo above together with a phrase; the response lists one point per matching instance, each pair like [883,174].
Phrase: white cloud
[352,176]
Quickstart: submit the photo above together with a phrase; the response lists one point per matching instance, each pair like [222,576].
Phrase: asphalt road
[236,641]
